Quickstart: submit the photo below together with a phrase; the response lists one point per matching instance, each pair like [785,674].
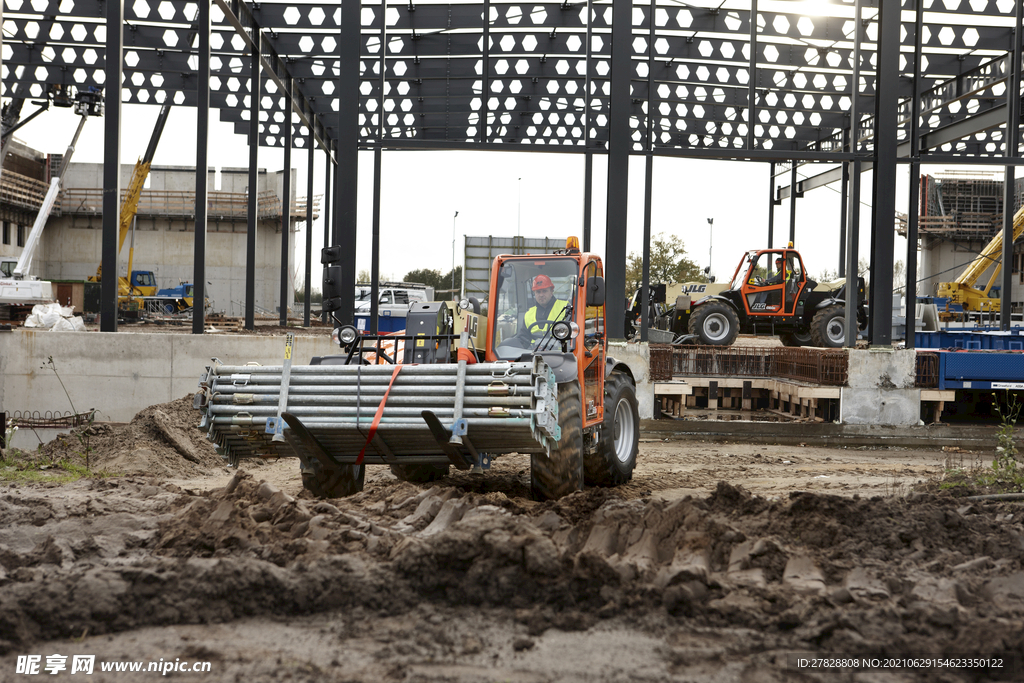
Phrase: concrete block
[895,407]
[883,368]
[638,357]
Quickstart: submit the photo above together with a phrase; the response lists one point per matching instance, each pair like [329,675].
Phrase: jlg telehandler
[531,375]
[769,294]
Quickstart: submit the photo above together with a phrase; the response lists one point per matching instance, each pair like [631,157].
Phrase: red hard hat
[542,282]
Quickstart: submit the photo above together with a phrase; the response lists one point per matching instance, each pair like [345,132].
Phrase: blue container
[976,339]
[385,323]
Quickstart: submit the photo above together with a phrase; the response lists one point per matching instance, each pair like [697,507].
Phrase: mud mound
[161,440]
[812,573]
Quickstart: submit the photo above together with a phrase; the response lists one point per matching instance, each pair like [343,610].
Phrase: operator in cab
[780,272]
[548,310]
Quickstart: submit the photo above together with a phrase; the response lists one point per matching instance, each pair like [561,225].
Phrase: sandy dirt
[718,562]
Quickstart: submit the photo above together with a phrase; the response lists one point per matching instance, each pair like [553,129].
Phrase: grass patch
[21,467]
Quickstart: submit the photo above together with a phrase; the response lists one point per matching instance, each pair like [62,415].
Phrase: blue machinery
[977,358]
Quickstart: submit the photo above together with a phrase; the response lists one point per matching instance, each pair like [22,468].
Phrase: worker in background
[547,310]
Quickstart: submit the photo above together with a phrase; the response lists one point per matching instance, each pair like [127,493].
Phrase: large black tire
[419,474]
[796,338]
[715,324]
[613,460]
[344,481]
[828,327]
[561,473]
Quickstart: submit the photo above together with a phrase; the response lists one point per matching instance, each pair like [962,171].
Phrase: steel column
[910,291]
[202,169]
[771,203]
[309,231]
[111,165]
[792,202]
[286,208]
[588,163]
[619,144]
[326,213]
[485,95]
[751,76]
[252,203]
[375,244]
[588,191]
[844,200]
[345,196]
[884,172]
[852,247]
[1012,146]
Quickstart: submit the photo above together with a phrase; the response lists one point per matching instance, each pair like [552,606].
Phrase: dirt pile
[161,440]
[813,573]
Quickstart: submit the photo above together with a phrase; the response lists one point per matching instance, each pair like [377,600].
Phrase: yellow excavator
[963,290]
[140,282]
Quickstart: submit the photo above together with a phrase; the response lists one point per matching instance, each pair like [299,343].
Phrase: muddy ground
[719,562]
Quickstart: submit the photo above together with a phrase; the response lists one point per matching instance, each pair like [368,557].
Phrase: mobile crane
[963,290]
[19,289]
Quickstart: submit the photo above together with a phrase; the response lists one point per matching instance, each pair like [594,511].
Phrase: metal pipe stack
[507,407]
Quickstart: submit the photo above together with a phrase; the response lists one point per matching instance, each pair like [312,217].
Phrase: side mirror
[332,294]
[595,291]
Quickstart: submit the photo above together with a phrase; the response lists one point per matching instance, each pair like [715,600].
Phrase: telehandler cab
[530,374]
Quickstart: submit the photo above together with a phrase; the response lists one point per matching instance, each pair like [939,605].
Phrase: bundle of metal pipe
[503,407]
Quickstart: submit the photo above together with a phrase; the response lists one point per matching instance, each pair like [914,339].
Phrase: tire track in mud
[817,572]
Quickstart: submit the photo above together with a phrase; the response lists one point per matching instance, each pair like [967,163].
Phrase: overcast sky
[504,194]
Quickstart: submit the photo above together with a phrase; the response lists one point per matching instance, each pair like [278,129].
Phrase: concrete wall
[71,246]
[119,374]
[880,389]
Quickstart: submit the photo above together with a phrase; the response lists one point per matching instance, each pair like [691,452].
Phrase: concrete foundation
[881,388]
[119,374]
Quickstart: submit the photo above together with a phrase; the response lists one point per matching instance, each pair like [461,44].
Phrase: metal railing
[829,367]
[232,205]
[927,370]
[50,419]
[22,191]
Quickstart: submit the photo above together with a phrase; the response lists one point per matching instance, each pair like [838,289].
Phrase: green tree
[426,276]
[668,263]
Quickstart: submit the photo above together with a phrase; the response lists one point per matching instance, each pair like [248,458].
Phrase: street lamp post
[711,238]
[453,253]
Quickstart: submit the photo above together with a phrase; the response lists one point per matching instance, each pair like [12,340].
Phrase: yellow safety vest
[554,314]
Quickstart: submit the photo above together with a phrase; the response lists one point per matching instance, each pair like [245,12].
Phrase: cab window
[532,295]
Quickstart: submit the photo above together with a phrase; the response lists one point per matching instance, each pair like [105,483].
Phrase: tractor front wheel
[344,481]
[561,473]
[715,324]
[613,460]
[419,474]
[828,327]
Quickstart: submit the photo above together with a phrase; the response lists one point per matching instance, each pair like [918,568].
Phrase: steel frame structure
[794,84]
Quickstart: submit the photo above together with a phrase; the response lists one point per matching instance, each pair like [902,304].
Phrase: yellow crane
[140,283]
[963,290]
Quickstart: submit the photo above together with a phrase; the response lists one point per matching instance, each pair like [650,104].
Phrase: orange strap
[380,411]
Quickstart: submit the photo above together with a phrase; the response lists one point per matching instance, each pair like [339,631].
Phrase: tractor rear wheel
[796,338]
[715,324]
[419,474]
[613,460]
[347,480]
[561,473]
[828,327]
